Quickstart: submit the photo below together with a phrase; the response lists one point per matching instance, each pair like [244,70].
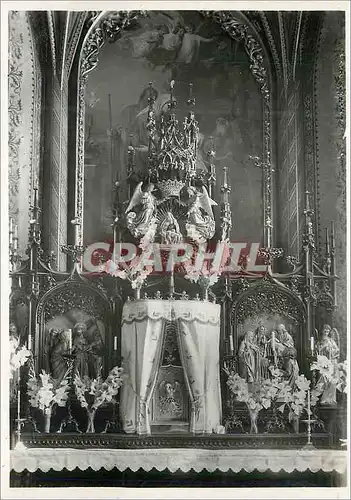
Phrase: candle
[115,343]
[29,342]
[11,226]
[309,404]
[70,340]
[15,243]
[312,345]
[273,341]
[18,405]
[332,235]
[15,234]
[327,247]
[231,343]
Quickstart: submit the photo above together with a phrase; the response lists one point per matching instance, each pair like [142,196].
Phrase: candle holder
[309,421]
[309,445]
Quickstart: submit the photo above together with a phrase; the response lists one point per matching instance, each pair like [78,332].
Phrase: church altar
[226,357]
[183,459]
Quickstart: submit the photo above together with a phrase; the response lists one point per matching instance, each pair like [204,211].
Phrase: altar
[177,293]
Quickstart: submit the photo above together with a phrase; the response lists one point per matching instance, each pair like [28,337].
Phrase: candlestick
[115,343]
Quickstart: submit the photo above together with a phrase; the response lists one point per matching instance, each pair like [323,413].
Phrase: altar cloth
[184,459]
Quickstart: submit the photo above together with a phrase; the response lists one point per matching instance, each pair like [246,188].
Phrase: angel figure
[170,398]
[191,42]
[169,230]
[139,223]
[328,346]
[200,227]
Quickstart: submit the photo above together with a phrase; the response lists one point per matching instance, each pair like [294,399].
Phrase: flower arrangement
[203,277]
[256,396]
[93,393]
[18,355]
[45,393]
[273,392]
[136,273]
[334,373]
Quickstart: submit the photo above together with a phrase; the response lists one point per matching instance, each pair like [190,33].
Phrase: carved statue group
[259,350]
[86,352]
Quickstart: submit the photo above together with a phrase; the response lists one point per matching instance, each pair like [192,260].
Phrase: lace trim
[186,310]
[33,459]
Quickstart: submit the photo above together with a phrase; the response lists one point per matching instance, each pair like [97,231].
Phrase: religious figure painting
[204,63]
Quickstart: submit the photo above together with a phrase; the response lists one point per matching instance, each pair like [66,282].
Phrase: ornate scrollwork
[72,297]
[109,29]
[269,299]
[241,32]
[270,254]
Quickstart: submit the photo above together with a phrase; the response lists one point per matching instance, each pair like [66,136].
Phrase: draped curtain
[143,324]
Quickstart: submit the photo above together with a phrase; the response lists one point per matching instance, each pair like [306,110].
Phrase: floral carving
[266,299]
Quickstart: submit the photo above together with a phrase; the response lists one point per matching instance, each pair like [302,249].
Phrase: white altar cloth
[174,459]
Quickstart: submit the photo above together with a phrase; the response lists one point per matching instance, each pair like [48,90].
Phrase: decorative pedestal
[196,330]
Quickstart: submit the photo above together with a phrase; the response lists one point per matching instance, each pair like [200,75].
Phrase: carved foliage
[73,296]
[269,299]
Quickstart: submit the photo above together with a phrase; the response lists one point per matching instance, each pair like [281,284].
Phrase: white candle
[11,226]
[18,405]
[231,343]
[273,341]
[312,345]
[115,343]
[15,233]
[29,342]
[70,339]
[15,243]
[309,404]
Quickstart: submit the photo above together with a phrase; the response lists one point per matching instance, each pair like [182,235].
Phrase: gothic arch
[106,26]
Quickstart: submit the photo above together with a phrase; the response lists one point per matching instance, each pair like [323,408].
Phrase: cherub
[138,224]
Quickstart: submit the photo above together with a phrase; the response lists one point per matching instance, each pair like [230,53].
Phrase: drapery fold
[198,330]
[141,352]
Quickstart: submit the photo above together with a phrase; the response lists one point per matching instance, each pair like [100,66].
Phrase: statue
[200,227]
[59,341]
[248,352]
[328,346]
[287,353]
[138,224]
[88,356]
[169,230]
[262,354]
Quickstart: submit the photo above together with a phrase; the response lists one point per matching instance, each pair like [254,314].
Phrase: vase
[253,420]
[91,418]
[296,424]
[137,293]
[206,294]
[47,417]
